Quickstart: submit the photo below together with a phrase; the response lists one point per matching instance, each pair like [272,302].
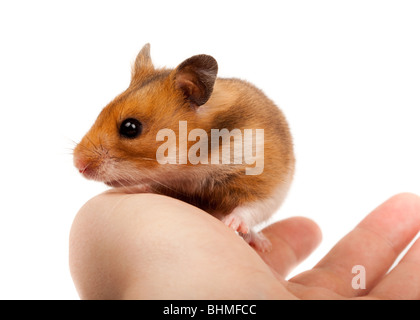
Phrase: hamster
[218,144]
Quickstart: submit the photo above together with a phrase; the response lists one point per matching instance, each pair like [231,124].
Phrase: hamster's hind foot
[236,222]
[258,241]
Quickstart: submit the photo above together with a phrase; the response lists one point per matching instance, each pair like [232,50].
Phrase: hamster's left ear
[143,64]
[195,77]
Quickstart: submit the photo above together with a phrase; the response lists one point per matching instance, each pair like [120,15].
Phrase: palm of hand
[149,246]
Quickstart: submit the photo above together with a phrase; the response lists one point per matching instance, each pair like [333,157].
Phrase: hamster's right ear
[195,77]
[143,64]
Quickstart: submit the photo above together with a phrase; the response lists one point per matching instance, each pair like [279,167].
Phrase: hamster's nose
[81,165]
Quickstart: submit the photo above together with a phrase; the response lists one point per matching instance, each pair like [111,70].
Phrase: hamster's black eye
[130,128]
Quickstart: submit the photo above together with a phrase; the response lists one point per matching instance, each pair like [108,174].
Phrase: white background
[345,73]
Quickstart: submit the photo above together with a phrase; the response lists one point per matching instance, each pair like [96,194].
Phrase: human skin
[148,246]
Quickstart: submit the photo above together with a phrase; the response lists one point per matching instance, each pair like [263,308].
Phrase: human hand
[147,246]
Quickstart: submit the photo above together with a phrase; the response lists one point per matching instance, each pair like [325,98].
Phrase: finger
[375,244]
[293,240]
[403,282]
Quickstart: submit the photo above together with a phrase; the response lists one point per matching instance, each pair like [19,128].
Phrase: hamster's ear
[143,64]
[195,77]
